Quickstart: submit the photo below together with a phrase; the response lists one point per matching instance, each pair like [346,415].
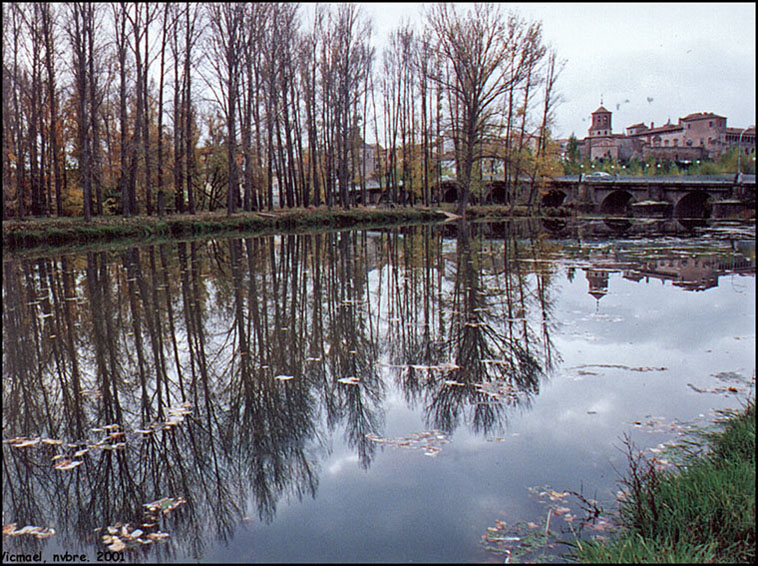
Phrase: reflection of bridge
[715,196]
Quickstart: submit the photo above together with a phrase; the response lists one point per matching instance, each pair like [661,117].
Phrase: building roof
[640,125]
[601,110]
[700,116]
[737,131]
[663,129]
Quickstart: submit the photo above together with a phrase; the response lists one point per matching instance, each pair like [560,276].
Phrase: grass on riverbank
[704,512]
[56,232]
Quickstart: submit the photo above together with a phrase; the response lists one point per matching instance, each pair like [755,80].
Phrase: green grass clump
[703,512]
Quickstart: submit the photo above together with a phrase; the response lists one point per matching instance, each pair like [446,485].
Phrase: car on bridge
[599,176]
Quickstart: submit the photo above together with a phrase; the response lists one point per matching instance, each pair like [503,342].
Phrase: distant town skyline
[646,62]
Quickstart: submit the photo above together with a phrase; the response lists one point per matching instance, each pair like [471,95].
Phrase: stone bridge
[717,196]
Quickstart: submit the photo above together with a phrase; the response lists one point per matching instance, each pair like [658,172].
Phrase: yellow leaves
[349,380]
[556,496]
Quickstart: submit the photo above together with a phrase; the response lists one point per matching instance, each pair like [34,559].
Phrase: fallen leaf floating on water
[176,414]
[165,504]
[117,545]
[554,495]
[119,537]
[67,464]
[24,442]
[37,532]
[52,441]
[284,377]
[429,441]
[349,380]
[117,446]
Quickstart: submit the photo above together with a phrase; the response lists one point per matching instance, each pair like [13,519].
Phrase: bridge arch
[617,203]
[553,198]
[496,193]
[695,204]
[449,192]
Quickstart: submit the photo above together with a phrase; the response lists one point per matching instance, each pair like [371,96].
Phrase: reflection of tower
[598,284]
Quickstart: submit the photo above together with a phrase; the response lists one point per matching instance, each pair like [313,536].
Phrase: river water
[428,393]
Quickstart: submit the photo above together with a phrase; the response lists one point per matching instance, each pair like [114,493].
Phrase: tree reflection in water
[275,342]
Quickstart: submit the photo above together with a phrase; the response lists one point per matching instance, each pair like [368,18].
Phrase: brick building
[702,135]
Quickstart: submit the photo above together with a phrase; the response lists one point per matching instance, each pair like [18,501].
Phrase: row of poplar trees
[152,108]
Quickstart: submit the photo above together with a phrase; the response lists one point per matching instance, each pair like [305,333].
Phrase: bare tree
[226,22]
[77,33]
[551,98]
[48,32]
[166,23]
[476,47]
[121,42]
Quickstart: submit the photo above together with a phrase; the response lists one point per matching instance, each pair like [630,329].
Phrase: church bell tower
[601,122]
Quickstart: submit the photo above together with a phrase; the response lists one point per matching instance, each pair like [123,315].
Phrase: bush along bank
[702,512]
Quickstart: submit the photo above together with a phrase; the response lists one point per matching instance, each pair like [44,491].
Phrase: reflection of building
[692,272]
[598,282]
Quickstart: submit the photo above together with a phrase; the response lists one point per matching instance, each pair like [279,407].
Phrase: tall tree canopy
[134,108]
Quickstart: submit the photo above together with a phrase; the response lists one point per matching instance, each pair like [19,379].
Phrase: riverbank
[704,512]
[56,232]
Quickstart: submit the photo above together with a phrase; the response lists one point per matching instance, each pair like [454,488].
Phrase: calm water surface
[424,393]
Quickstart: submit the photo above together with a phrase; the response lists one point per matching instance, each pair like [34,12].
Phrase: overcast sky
[649,62]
